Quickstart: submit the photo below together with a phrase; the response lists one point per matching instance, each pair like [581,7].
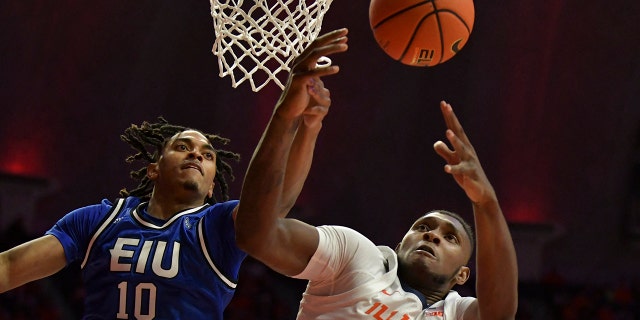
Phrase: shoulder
[107,205]
[345,260]
[99,210]
[341,233]
[218,218]
[90,216]
[226,206]
[455,296]
[220,211]
[344,249]
[344,239]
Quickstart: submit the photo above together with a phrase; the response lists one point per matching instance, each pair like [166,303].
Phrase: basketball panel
[380,10]
[454,35]
[394,35]
[463,8]
[425,48]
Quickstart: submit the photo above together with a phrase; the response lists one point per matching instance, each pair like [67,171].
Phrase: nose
[432,237]
[195,154]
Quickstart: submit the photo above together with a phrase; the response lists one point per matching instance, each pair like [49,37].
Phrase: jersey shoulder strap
[115,210]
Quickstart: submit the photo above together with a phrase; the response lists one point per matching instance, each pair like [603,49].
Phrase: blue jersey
[135,266]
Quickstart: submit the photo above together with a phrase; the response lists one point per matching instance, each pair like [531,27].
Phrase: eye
[451,238]
[182,147]
[209,155]
[422,227]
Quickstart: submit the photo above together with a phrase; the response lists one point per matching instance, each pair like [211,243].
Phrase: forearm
[30,261]
[11,275]
[4,272]
[497,270]
[262,191]
[299,162]
[284,245]
[276,172]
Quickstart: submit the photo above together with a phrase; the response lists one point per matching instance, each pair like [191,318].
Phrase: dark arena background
[547,90]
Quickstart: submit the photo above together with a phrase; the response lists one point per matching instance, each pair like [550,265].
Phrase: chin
[191,186]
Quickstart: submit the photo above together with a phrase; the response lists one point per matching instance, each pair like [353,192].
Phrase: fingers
[319,72]
[443,151]
[332,36]
[324,45]
[462,161]
[319,94]
[454,158]
[335,40]
[452,122]
[304,88]
[318,108]
[455,133]
[461,152]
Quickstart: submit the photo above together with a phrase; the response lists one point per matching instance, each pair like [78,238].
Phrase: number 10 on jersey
[145,295]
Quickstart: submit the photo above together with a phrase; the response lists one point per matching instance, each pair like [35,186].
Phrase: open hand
[462,162]
[305,93]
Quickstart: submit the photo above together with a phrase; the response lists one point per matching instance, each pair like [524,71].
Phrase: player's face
[435,251]
[187,163]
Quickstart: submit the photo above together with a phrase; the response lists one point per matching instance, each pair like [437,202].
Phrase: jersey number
[150,301]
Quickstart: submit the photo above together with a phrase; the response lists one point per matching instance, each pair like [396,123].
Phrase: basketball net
[257,39]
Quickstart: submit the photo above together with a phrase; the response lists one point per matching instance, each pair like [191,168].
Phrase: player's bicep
[290,250]
[32,260]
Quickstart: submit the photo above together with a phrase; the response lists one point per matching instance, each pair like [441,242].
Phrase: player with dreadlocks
[156,135]
[167,248]
[166,238]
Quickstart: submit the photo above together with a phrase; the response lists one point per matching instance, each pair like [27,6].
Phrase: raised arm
[30,261]
[497,270]
[301,154]
[286,245]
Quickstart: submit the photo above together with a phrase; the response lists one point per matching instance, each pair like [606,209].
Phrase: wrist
[489,204]
[283,117]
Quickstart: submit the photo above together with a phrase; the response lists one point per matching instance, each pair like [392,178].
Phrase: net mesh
[257,39]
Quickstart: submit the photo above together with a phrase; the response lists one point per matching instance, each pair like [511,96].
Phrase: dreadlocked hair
[149,140]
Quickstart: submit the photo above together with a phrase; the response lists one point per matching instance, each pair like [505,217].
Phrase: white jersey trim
[114,213]
[203,246]
[148,224]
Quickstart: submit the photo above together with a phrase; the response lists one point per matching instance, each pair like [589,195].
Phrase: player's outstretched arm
[497,270]
[30,261]
[302,149]
[299,163]
[279,166]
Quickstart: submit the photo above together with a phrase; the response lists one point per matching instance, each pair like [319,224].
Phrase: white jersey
[352,278]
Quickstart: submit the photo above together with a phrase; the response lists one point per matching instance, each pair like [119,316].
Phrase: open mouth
[426,249]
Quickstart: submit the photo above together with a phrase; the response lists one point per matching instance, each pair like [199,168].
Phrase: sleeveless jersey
[135,266]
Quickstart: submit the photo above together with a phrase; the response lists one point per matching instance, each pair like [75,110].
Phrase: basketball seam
[437,14]
[393,15]
[435,10]
[457,16]
[413,36]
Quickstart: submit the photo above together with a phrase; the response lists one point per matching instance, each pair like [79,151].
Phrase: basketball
[421,33]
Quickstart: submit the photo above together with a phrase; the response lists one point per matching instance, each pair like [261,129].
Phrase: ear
[152,171]
[210,192]
[463,275]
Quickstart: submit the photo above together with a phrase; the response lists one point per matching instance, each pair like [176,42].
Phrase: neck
[431,291]
[433,297]
[428,297]
[165,208]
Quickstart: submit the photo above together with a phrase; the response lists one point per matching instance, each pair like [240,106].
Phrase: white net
[257,39]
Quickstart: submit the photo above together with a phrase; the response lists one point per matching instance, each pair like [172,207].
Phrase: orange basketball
[421,33]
